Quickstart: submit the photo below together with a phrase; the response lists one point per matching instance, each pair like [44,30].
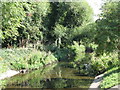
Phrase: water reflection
[54,76]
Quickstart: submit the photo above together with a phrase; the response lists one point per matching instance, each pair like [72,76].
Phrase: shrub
[104,62]
[79,51]
[64,54]
[26,58]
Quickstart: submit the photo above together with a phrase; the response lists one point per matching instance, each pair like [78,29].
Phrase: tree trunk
[59,42]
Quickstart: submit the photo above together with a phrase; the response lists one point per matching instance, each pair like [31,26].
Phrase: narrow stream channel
[53,76]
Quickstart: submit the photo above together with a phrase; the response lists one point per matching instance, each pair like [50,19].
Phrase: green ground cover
[17,59]
[111,78]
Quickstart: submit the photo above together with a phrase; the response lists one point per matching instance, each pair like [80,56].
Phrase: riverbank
[111,78]
[15,61]
[24,58]
[96,82]
[8,74]
[108,80]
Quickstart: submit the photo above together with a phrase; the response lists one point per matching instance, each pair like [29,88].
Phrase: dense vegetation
[25,58]
[111,78]
[62,31]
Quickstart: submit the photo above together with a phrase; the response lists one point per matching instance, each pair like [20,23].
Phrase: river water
[52,76]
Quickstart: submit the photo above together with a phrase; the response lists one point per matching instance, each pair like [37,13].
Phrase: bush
[14,58]
[64,54]
[104,62]
[79,51]
[26,58]
[37,59]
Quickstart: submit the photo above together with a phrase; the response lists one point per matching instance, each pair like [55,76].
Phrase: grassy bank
[111,78]
[18,59]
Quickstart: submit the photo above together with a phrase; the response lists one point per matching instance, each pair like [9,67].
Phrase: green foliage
[104,62]
[39,59]
[2,84]
[50,58]
[73,14]
[64,17]
[3,67]
[12,14]
[23,21]
[26,58]
[111,78]
[13,58]
[108,28]
[103,37]
[64,54]
[33,23]
[86,33]
[54,27]
[59,32]
[79,51]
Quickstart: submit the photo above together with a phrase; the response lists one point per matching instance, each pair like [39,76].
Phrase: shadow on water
[54,76]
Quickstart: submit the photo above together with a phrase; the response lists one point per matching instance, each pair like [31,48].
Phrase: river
[52,76]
